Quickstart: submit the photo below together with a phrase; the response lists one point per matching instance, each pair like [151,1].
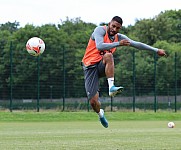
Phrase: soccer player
[98,61]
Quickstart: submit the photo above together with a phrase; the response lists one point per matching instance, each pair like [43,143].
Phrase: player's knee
[108,57]
[93,102]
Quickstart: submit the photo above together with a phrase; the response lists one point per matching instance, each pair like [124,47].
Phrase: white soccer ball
[35,46]
[171,124]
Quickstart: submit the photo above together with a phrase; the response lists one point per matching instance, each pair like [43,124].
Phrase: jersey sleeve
[138,45]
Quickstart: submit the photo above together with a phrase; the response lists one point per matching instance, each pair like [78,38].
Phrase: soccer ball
[35,46]
[171,125]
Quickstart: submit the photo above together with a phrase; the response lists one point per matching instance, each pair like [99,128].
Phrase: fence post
[133,81]
[111,103]
[155,98]
[175,82]
[11,76]
[88,105]
[38,83]
[63,78]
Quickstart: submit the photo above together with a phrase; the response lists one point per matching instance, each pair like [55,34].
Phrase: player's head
[115,25]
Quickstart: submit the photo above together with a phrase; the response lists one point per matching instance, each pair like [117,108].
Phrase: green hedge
[75,106]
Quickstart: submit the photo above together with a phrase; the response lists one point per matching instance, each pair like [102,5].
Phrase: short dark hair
[117,19]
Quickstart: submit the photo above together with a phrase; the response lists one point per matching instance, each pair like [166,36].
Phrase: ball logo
[37,49]
[28,47]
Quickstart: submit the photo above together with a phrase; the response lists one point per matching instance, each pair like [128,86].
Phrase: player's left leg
[108,61]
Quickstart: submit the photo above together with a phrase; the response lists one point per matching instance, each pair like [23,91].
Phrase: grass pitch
[57,131]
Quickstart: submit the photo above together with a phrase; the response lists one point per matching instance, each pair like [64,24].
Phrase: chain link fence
[34,83]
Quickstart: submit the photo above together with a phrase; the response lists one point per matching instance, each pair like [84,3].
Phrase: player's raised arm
[125,41]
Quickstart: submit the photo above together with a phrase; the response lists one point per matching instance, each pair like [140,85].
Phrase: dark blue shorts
[91,77]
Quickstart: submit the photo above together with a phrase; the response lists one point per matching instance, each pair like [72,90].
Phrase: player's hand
[124,42]
[161,52]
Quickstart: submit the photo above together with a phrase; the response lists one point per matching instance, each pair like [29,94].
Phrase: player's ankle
[100,114]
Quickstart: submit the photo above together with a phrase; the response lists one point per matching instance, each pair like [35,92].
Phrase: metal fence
[60,85]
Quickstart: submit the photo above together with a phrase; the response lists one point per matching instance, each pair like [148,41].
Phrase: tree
[165,26]
[11,27]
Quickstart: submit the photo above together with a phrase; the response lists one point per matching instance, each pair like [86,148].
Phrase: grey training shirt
[99,33]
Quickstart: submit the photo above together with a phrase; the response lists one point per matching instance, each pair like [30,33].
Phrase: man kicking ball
[98,61]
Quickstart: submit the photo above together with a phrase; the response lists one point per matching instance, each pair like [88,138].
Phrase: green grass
[83,131]
[85,116]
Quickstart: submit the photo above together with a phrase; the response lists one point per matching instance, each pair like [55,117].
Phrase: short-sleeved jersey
[92,54]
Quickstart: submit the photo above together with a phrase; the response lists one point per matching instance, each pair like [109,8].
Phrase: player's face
[113,28]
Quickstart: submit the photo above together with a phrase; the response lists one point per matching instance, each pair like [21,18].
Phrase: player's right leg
[103,119]
[96,107]
[91,77]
